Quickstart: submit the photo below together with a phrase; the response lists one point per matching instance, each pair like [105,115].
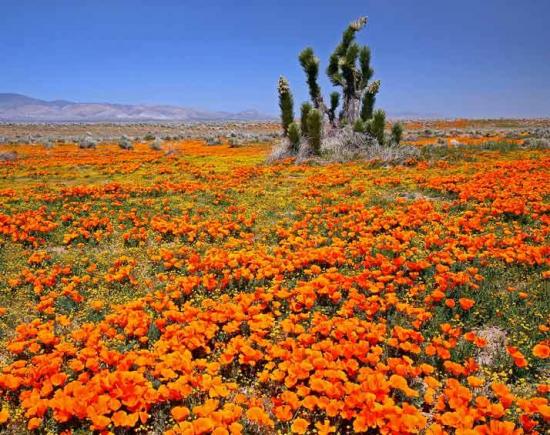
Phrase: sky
[467,58]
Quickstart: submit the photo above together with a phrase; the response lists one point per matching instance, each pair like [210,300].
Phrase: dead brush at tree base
[345,145]
[348,145]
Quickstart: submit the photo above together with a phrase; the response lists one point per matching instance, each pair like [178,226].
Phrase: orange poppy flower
[541,351]
[97,305]
[299,426]
[4,415]
[34,423]
[203,425]
[122,419]
[100,422]
[400,383]
[466,303]
[324,428]
[475,381]
[179,413]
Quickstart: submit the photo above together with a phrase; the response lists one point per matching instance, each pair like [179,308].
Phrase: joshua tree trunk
[351,109]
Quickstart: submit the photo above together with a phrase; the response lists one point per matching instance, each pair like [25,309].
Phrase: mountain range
[21,108]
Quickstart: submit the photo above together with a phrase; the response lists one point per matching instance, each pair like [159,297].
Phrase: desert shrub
[156,145]
[537,143]
[360,126]
[149,136]
[396,133]
[460,151]
[281,150]
[235,142]
[376,126]
[213,140]
[125,143]
[87,143]
[495,146]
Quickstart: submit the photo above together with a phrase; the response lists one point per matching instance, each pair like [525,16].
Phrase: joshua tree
[369,98]
[334,101]
[315,130]
[286,103]
[310,64]
[294,136]
[349,69]
[304,112]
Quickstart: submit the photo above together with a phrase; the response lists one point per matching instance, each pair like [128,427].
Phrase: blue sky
[475,58]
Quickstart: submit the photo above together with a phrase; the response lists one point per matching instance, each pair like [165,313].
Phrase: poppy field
[207,291]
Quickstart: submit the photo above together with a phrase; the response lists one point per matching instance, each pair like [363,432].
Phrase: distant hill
[21,108]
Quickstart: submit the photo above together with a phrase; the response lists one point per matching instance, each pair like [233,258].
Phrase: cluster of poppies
[237,297]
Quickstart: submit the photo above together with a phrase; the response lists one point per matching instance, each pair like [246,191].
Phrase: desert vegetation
[158,283]
[357,130]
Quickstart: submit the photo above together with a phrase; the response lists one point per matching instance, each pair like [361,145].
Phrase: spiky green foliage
[304,112]
[334,69]
[367,106]
[396,133]
[369,98]
[349,68]
[310,64]
[294,137]
[364,64]
[315,130]
[334,101]
[376,126]
[360,126]
[286,103]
